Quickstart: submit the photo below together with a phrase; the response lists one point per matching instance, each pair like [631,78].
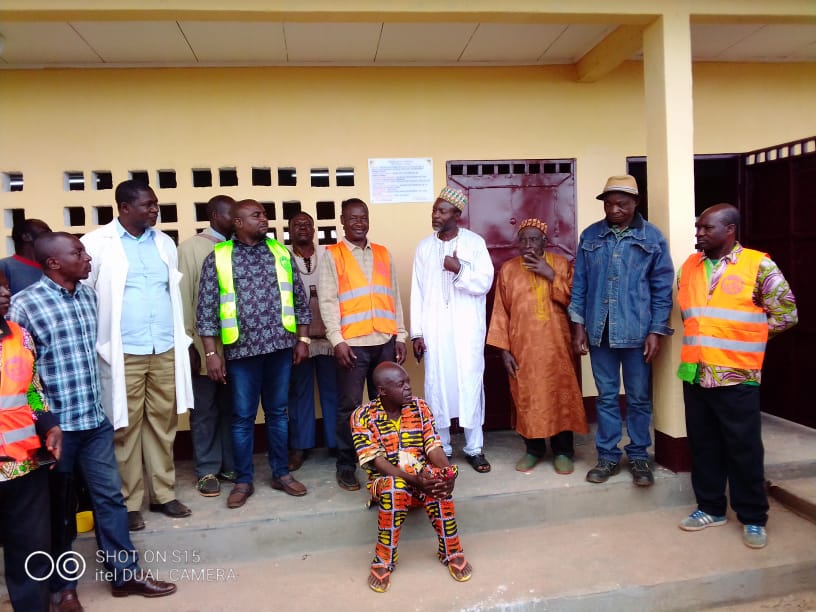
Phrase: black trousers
[25,526]
[725,436]
[350,394]
[561,444]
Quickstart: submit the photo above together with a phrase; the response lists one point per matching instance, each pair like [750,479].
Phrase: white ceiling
[217,43]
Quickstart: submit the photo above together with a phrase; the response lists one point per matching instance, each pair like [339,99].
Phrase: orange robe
[530,320]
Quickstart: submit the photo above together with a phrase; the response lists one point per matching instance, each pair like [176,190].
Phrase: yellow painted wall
[52,121]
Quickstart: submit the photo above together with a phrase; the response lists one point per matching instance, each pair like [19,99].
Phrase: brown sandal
[382,574]
[457,566]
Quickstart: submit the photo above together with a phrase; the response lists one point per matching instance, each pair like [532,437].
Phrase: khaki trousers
[151,430]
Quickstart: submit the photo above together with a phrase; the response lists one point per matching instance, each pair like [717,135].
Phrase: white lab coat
[108,274]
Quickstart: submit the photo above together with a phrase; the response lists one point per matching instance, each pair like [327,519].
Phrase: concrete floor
[536,541]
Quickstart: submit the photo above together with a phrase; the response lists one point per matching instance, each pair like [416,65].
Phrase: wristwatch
[305,340]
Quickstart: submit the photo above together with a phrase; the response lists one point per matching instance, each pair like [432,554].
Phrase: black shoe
[146,586]
[135,521]
[602,471]
[173,509]
[347,480]
[641,472]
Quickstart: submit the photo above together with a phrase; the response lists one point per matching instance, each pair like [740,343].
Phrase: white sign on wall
[403,179]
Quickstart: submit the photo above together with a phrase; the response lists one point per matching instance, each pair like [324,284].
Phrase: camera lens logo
[69,566]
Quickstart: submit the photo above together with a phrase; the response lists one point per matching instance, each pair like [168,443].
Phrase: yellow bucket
[84,521]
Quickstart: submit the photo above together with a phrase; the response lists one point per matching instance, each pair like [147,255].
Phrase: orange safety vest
[18,436]
[364,307]
[728,329]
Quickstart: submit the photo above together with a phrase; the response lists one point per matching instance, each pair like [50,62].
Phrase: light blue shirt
[147,313]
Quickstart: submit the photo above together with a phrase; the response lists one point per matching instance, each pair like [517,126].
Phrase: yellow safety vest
[228,311]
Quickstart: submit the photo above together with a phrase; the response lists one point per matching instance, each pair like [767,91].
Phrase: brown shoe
[347,479]
[66,601]
[289,485]
[239,494]
[296,459]
[135,521]
[144,585]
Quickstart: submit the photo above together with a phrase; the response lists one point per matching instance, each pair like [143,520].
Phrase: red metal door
[779,217]
[501,194]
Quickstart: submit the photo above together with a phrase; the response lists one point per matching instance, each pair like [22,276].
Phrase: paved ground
[537,541]
[618,560]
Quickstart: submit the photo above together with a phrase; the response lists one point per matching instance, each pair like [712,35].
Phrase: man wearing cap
[530,326]
[620,306]
[732,300]
[452,274]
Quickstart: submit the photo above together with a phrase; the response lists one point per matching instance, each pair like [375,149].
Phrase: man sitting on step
[396,441]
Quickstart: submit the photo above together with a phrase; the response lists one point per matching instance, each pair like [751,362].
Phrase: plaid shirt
[63,325]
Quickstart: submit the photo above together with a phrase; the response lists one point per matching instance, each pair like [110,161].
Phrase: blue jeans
[606,369]
[265,378]
[93,450]
[301,401]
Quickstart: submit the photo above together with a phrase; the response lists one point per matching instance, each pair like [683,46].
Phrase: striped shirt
[63,326]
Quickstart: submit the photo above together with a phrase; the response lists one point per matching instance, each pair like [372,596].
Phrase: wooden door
[779,217]
[501,194]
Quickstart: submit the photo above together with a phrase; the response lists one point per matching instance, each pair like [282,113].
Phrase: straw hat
[624,184]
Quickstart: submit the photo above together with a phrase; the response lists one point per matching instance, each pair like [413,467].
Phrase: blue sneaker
[698,520]
[754,536]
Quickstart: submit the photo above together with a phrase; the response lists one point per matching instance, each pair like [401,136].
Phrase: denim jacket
[629,280]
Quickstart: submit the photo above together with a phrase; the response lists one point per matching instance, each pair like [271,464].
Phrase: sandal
[478,463]
[382,574]
[457,566]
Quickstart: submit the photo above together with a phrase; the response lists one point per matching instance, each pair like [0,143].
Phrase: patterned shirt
[405,442]
[39,410]
[258,301]
[772,293]
[63,325]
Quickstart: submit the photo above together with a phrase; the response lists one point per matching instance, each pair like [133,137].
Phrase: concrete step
[274,524]
[538,541]
[632,561]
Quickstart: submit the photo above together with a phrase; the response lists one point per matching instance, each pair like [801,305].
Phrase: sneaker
[209,486]
[602,471]
[563,464]
[754,536]
[228,476]
[641,472]
[698,520]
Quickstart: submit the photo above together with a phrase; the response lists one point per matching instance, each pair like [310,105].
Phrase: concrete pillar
[670,153]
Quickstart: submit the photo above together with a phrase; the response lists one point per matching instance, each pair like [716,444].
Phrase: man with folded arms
[61,313]
[251,295]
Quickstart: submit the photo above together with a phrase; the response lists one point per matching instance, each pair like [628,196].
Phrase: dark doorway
[716,179]
[501,194]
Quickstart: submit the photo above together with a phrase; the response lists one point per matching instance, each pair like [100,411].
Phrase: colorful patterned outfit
[405,443]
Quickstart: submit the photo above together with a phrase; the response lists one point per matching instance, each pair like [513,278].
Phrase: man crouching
[397,444]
